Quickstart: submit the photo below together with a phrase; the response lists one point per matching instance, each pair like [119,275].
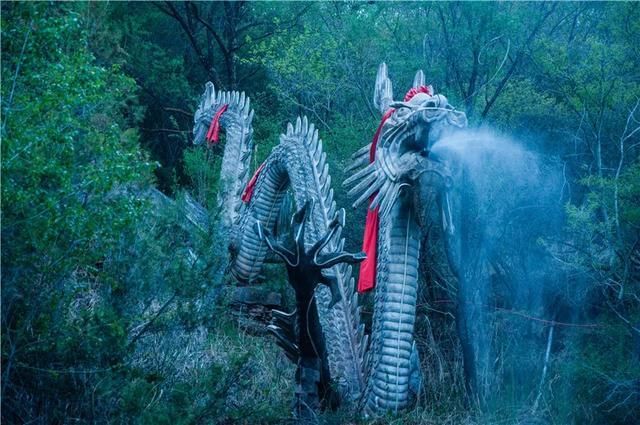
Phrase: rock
[252,307]
[256,296]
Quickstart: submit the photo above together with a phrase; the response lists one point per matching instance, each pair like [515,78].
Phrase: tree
[231,27]
[71,167]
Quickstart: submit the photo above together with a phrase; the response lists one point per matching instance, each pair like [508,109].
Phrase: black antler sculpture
[302,339]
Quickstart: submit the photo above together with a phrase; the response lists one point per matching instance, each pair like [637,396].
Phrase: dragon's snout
[422,121]
[199,132]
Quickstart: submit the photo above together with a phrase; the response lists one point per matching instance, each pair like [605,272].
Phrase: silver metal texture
[401,165]
[238,147]
[382,383]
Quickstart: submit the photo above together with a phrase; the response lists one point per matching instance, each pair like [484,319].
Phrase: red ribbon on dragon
[213,138]
[248,191]
[367,277]
[213,134]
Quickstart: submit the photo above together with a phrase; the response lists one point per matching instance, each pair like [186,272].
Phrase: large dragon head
[418,123]
[400,155]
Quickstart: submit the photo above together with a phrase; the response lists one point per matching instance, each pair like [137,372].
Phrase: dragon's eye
[431,104]
[401,112]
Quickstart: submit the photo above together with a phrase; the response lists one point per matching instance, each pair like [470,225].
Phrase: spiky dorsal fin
[383,91]
[341,322]
[419,79]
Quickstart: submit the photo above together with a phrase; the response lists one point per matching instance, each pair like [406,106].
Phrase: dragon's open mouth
[411,136]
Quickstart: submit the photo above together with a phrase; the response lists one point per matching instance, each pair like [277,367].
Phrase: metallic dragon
[399,178]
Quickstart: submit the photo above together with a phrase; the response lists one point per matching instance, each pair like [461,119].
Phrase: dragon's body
[400,183]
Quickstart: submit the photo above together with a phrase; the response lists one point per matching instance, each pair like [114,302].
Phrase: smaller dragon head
[204,114]
[219,108]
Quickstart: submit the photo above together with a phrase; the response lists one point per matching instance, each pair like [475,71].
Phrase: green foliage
[96,264]
[604,373]
[107,310]
[70,154]
[203,167]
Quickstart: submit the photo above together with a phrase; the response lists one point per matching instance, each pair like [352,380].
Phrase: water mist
[504,199]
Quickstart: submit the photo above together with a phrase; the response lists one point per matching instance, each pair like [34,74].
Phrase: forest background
[111,305]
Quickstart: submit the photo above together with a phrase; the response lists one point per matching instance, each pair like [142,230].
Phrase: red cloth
[248,191]
[415,90]
[214,128]
[367,276]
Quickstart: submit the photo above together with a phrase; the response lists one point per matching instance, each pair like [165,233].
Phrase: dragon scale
[394,315]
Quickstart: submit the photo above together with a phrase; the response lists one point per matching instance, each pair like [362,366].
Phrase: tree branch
[516,61]
[15,76]
[194,9]
[173,13]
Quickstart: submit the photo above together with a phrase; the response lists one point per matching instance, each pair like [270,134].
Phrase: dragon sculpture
[402,181]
